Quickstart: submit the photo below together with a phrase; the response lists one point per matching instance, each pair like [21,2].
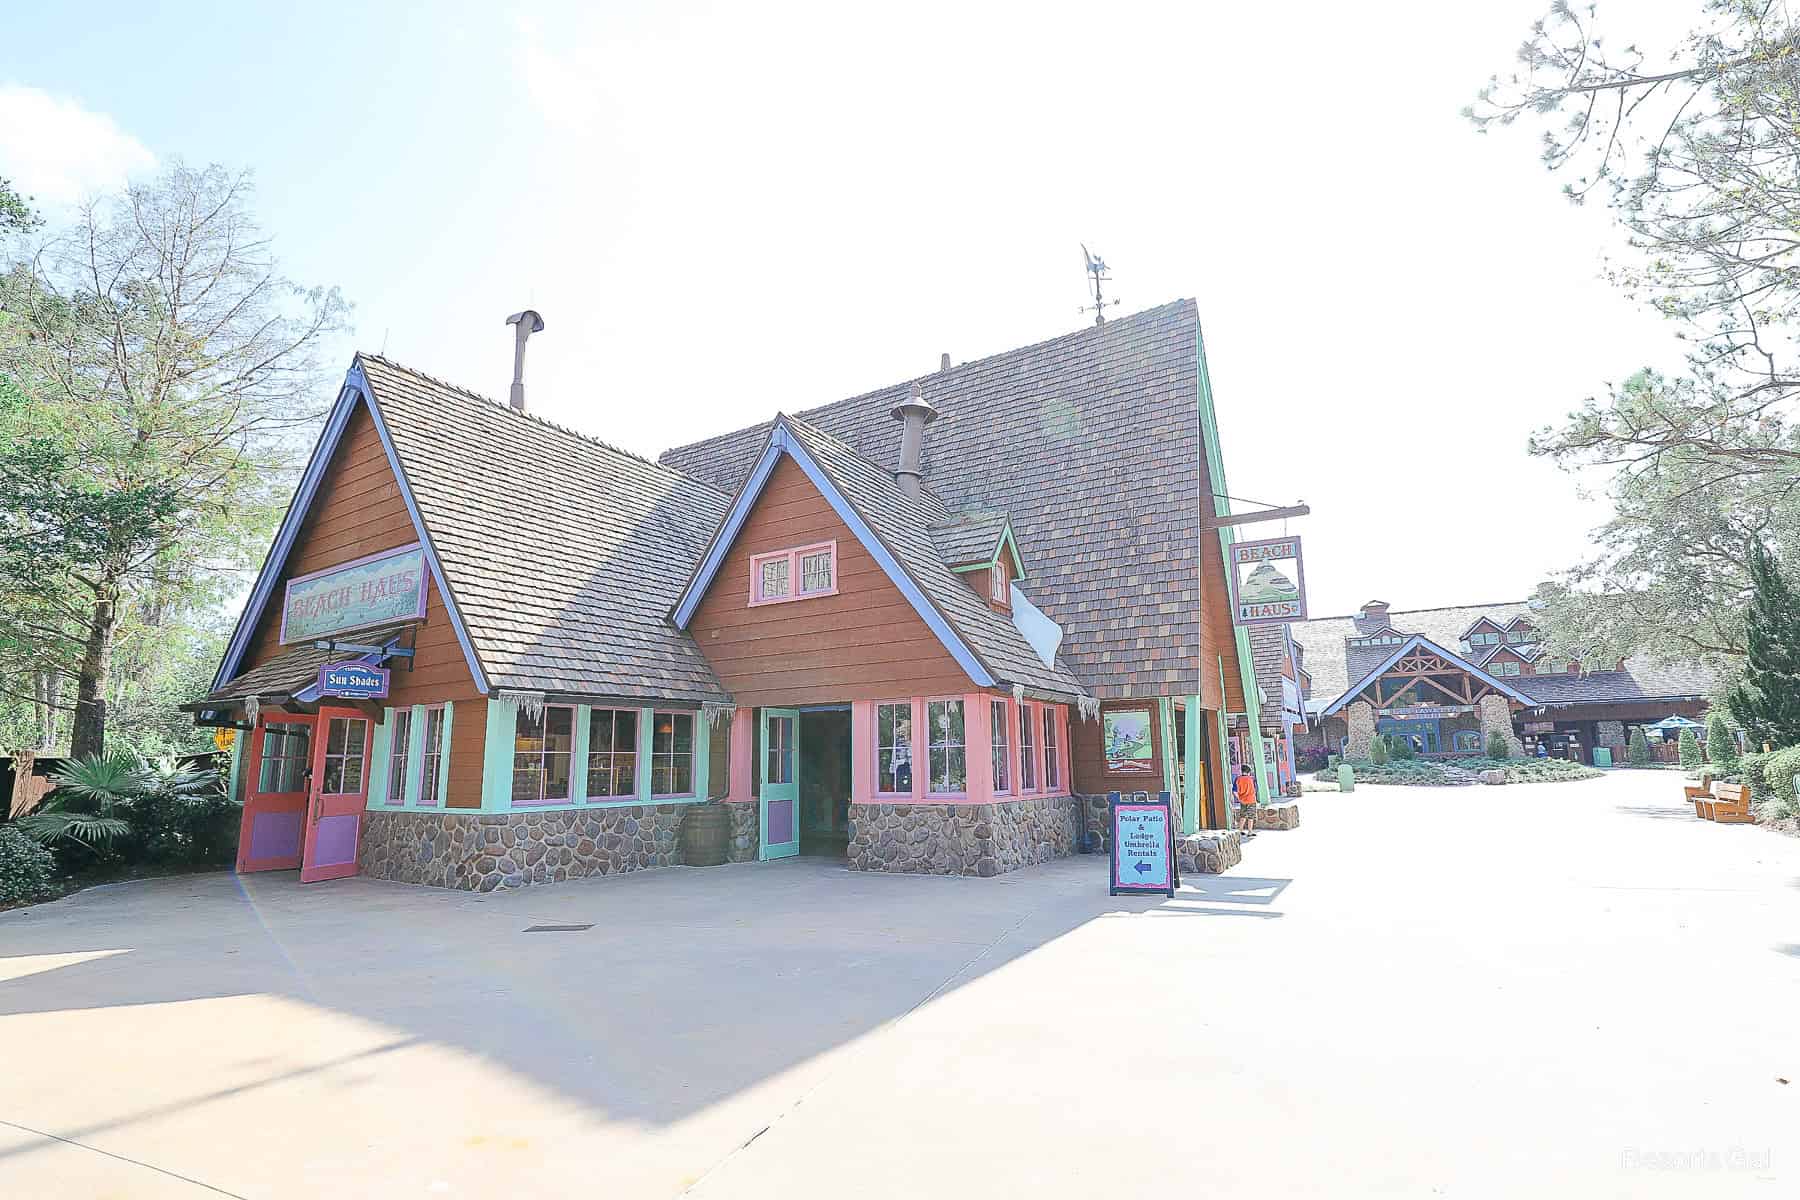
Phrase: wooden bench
[1730,804]
[1696,792]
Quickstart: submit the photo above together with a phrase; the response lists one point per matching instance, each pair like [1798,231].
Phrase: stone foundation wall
[961,839]
[1277,816]
[745,834]
[480,852]
[1209,852]
[1611,734]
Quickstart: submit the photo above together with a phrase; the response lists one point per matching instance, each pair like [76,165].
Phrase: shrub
[1401,750]
[1721,747]
[1312,758]
[1637,748]
[1771,780]
[1689,748]
[1378,750]
[112,811]
[25,867]
[1497,746]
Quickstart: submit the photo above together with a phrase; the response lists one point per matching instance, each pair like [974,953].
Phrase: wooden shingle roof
[562,553]
[1090,443]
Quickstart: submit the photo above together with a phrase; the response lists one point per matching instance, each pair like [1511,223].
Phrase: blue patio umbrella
[1675,724]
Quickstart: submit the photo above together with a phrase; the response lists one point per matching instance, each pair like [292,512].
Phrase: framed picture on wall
[1128,748]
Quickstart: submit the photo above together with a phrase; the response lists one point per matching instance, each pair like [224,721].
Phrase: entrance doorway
[825,781]
[306,787]
[1422,736]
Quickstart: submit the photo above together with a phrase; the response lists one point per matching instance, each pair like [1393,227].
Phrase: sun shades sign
[1268,582]
[353,681]
[1143,845]
[376,590]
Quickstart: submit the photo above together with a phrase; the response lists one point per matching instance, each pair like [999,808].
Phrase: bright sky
[726,210]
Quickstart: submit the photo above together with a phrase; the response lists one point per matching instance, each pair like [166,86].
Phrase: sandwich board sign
[1143,845]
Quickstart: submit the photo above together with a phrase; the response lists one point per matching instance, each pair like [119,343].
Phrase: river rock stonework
[746,833]
[1496,717]
[961,839]
[1277,816]
[1209,852]
[479,852]
[1360,725]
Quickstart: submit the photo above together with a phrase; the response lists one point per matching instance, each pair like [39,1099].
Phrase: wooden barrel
[705,835]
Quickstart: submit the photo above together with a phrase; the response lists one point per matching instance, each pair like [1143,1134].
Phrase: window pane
[559,730]
[815,571]
[600,730]
[434,730]
[334,736]
[684,776]
[400,742]
[774,578]
[684,733]
[352,780]
[556,776]
[525,780]
[528,731]
[333,782]
[1052,768]
[1027,747]
[1002,751]
[625,730]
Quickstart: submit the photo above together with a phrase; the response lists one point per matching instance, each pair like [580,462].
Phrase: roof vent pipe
[914,413]
[524,325]
[944,362]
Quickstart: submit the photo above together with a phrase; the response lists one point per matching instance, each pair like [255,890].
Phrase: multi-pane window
[672,754]
[793,574]
[948,748]
[998,591]
[1484,639]
[346,738]
[1466,741]
[1028,766]
[893,749]
[431,756]
[1521,637]
[1052,768]
[286,751]
[1503,668]
[543,752]
[1002,744]
[612,752]
[399,754]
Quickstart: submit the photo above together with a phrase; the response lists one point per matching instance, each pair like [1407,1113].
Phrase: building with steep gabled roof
[485,650]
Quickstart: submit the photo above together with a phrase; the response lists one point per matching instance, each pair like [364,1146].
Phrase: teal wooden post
[1190,801]
[415,754]
[497,755]
[443,790]
[702,755]
[378,760]
[1165,732]
[646,730]
[578,757]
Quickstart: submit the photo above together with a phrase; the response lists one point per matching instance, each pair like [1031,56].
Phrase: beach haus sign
[377,590]
[1268,583]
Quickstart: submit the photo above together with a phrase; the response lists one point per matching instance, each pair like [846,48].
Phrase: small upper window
[794,574]
[999,580]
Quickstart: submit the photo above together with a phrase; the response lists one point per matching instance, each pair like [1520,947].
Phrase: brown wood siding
[358,511]
[864,643]
[1087,753]
[1217,637]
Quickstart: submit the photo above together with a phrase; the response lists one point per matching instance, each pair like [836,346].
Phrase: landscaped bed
[1458,772]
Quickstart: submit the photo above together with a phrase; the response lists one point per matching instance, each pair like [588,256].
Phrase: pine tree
[1721,747]
[1497,746]
[1766,701]
[1637,749]
[1688,746]
[1378,753]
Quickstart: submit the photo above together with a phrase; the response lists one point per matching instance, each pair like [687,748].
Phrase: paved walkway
[1550,990]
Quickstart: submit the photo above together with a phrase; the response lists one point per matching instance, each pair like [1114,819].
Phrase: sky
[725,211]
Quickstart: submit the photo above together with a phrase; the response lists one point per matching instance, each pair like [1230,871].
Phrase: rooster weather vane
[1097,277]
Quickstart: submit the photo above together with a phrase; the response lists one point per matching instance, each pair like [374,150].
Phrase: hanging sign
[353,681]
[1143,845]
[376,590]
[1426,712]
[1268,582]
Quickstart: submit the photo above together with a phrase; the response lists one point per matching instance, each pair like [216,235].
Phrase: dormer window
[797,574]
[1485,638]
[999,583]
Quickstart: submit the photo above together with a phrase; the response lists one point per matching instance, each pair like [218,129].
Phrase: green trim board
[1004,542]
[1215,466]
[1165,729]
[236,770]
[1190,814]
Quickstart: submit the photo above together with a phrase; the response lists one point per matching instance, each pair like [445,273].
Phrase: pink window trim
[693,752]
[1049,730]
[543,800]
[793,557]
[1005,707]
[875,744]
[443,752]
[1027,721]
[922,740]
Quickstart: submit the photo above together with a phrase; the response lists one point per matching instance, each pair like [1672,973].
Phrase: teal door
[779,796]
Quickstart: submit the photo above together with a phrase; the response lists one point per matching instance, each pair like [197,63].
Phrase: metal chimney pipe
[914,414]
[524,325]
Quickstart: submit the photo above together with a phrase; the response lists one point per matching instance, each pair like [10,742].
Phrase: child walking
[1246,801]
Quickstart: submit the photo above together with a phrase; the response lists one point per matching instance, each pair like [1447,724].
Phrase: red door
[275,791]
[340,793]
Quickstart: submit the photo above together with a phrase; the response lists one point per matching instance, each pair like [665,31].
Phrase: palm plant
[90,793]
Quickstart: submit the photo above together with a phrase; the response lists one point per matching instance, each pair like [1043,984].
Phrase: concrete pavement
[1571,989]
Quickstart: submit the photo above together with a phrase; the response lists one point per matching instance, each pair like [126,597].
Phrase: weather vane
[1097,276]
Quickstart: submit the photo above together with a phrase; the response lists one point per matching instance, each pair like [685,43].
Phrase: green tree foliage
[1721,747]
[1765,702]
[1637,747]
[1498,748]
[1688,746]
[162,376]
[1378,750]
[25,867]
[16,215]
[1695,147]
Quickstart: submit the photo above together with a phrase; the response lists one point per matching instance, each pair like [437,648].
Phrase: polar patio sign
[1143,845]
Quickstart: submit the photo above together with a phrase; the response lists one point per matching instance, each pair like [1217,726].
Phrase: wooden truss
[1429,679]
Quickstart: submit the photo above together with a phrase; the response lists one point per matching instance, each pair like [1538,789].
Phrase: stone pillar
[1361,718]
[1611,733]
[1496,717]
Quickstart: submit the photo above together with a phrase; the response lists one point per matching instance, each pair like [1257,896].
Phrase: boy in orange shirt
[1245,785]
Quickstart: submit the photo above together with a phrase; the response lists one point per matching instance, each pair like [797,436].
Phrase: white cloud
[57,152]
